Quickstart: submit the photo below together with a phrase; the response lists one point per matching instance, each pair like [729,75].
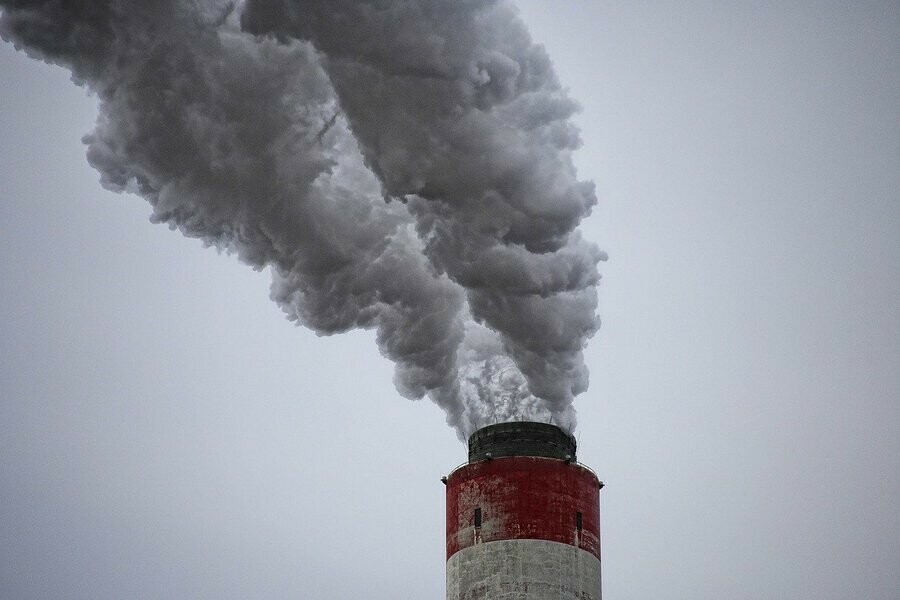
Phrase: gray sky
[165,433]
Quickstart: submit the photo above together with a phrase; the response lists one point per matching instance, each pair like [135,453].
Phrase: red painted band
[523,497]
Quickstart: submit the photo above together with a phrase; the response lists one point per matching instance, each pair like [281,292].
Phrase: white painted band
[524,570]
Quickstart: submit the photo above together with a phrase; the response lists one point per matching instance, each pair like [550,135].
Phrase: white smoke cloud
[477,283]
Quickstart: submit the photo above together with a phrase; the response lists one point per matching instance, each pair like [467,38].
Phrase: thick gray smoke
[398,165]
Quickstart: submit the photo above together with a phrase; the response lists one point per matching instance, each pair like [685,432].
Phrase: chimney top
[521,438]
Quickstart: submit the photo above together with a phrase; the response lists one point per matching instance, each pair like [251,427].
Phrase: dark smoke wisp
[477,283]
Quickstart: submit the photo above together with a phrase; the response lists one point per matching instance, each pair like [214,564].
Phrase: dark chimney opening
[521,438]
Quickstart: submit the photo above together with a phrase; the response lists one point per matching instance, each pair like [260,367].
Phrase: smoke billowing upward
[398,165]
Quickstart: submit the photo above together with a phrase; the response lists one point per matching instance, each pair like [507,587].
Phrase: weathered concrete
[523,570]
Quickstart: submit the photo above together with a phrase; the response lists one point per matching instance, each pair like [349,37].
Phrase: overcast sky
[166,433]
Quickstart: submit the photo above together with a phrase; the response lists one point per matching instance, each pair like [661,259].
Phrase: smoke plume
[398,165]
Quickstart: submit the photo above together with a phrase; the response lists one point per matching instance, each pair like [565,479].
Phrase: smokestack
[523,518]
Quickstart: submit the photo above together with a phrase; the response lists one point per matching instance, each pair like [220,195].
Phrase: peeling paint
[523,497]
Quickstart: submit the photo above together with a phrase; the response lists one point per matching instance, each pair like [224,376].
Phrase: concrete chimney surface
[523,519]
